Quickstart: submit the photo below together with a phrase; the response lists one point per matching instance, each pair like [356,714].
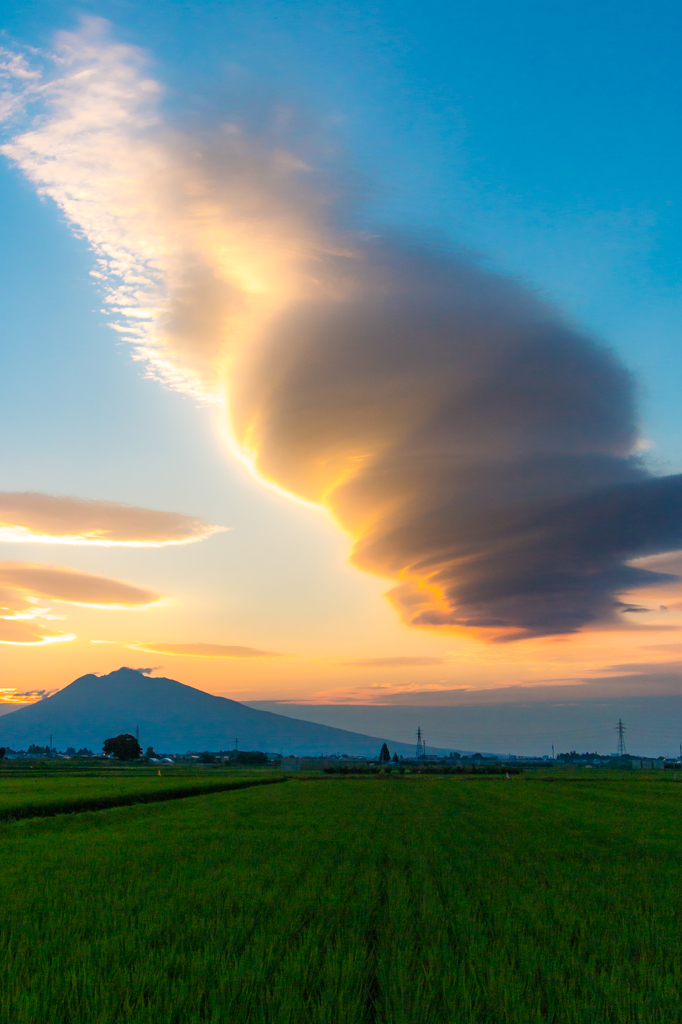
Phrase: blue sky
[543,135]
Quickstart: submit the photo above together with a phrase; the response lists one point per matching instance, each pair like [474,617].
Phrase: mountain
[171,717]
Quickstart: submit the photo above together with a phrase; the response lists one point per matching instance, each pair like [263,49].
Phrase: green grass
[49,793]
[400,901]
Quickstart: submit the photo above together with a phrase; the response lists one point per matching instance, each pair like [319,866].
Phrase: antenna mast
[621,730]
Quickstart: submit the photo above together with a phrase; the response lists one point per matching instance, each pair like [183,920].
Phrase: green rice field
[401,900]
[48,792]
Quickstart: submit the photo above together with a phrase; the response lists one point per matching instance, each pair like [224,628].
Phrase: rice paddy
[47,792]
[399,900]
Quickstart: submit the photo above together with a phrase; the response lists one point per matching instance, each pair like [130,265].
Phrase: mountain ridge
[171,717]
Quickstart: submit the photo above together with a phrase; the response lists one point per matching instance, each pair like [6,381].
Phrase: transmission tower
[421,745]
[621,730]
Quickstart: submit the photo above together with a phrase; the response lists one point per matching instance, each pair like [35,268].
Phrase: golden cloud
[9,695]
[31,517]
[405,662]
[476,448]
[29,634]
[204,650]
[72,586]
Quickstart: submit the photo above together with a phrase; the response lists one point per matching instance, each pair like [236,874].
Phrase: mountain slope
[171,717]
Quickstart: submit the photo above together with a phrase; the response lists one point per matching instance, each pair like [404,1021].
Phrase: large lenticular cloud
[475,446]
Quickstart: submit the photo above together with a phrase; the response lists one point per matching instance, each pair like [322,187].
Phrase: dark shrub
[124,747]
[250,757]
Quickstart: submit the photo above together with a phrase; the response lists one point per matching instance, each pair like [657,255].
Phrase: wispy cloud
[404,662]
[30,634]
[558,691]
[481,451]
[204,650]
[31,517]
[71,586]
[10,695]
[25,586]
[195,247]
[377,693]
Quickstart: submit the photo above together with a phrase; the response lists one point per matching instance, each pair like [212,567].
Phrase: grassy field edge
[51,810]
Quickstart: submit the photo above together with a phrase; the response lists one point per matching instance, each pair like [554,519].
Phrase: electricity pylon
[621,730]
[421,744]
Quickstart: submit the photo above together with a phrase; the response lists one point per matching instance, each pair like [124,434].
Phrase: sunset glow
[429,466]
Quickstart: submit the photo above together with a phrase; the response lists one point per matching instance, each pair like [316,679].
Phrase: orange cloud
[475,446]
[22,584]
[374,693]
[22,620]
[30,517]
[393,662]
[29,634]
[71,586]
[204,650]
[9,695]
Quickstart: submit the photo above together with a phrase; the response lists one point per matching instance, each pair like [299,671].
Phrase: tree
[151,752]
[396,759]
[2,753]
[125,747]
[250,757]
[385,754]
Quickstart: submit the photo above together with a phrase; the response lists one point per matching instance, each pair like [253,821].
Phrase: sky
[306,304]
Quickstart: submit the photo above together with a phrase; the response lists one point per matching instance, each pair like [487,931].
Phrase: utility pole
[50,742]
[236,743]
[621,730]
[553,752]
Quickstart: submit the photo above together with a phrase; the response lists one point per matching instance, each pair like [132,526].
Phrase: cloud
[25,586]
[631,685]
[374,693]
[393,662]
[556,692]
[480,450]
[204,650]
[35,518]
[30,634]
[640,667]
[10,695]
[60,583]
[23,620]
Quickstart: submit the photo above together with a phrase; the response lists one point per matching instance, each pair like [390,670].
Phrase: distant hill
[171,717]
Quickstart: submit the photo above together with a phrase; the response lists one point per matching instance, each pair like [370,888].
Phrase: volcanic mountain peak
[170,716]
